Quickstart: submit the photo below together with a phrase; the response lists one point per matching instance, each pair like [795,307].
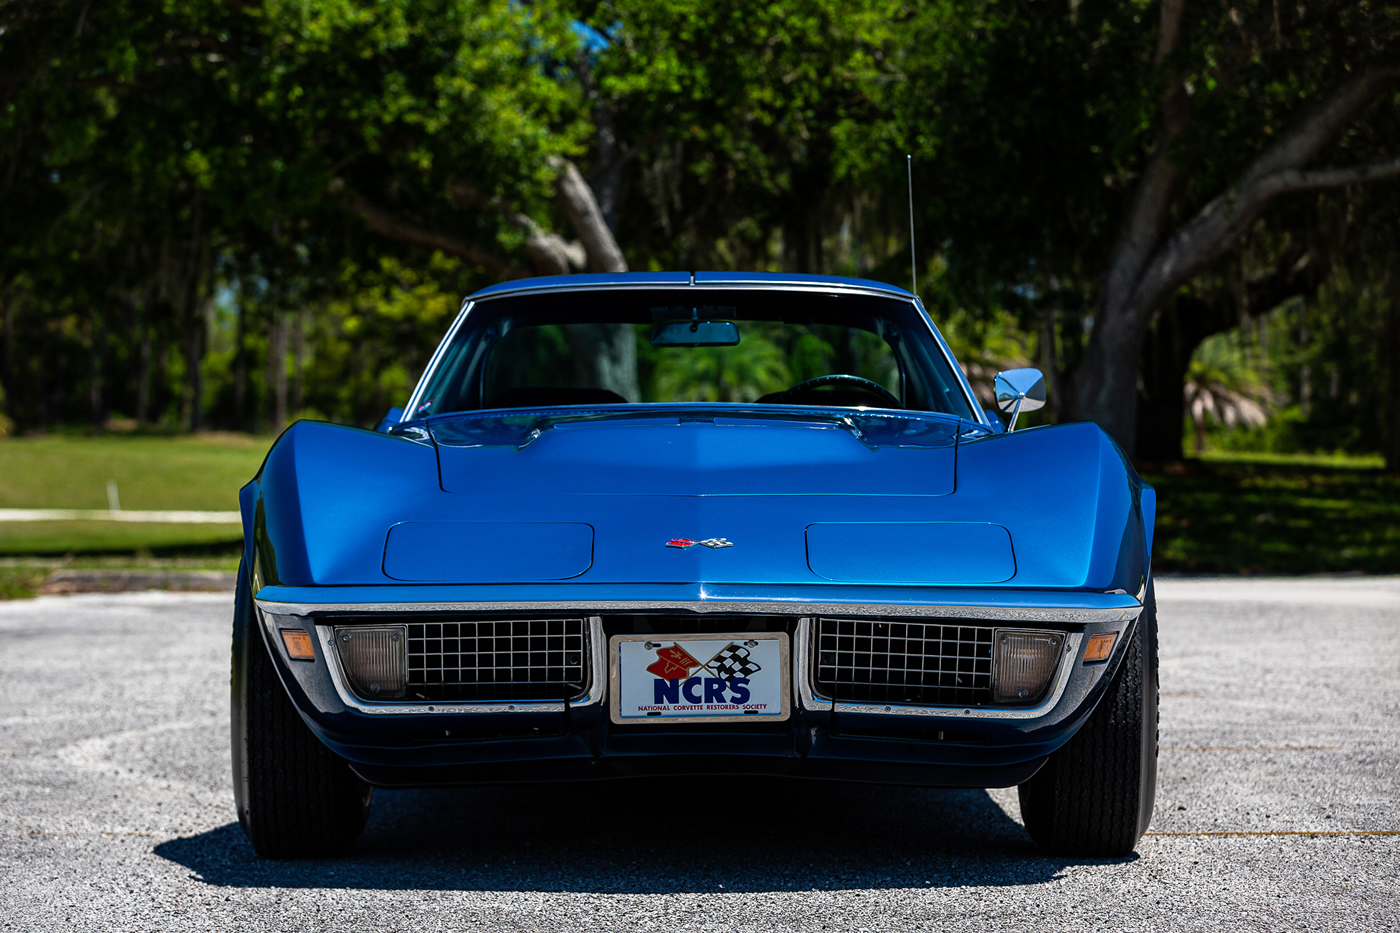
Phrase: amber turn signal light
[1099,647]
[298,645]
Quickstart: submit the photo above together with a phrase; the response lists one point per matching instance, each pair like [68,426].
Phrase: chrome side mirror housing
[1019,390]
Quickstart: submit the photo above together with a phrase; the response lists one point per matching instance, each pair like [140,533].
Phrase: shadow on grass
[654,836]
[229,548]
[1252,517]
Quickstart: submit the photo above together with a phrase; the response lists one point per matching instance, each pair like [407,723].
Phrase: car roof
[674,279]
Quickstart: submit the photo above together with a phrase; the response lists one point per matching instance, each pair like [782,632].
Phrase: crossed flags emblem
[731,661]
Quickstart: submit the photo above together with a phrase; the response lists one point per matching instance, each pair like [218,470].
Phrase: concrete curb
[63,582]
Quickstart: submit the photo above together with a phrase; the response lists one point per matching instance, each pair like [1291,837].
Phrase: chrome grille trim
[925,663]
[912,610]
[592,696]
[493,660]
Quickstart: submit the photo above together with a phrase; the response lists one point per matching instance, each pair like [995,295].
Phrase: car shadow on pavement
[653,836]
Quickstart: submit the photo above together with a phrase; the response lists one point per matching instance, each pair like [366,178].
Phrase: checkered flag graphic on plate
[733,661]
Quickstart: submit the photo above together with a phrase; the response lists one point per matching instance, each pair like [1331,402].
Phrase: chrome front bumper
[1079,621]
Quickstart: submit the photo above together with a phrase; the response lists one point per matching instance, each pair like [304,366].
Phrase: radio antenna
[913,262]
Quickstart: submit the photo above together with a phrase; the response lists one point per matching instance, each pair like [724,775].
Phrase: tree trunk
[1166,356]
[607,177]
[1392,352]
[8,381]
[1108,376]
[581,207]
[609,352]
[41,386]
[97,351]
[57,411]
[277,369]
[1147,266]
[240,370]
[143,364]
[1184,324]
[1160,405]
[160,401]
[298,359]
[195,344]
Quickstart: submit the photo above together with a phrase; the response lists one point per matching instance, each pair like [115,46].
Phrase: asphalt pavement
[1278,804]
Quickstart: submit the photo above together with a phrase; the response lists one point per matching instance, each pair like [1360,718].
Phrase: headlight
[375,659]
[1025,662]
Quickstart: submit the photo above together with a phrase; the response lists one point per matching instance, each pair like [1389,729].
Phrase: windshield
[672,346]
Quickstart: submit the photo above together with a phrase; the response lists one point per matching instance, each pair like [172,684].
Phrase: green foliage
[20,582]
[770,357]
[745,119]
[1223,361]
[169,153]
[178,245]
[1326,366]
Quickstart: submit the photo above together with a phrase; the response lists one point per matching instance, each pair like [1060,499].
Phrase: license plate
[740,677]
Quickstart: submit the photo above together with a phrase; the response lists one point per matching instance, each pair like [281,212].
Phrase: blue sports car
[709,523]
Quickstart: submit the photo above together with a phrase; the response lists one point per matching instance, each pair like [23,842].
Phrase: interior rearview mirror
[1019,390]
[695,334]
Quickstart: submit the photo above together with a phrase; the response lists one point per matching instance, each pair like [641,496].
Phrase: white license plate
[738,677]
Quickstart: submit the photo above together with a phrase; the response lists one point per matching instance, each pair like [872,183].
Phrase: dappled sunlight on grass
[1261,514]
[1348,461]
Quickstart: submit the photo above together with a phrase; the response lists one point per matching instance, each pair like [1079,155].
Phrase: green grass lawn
[58,538]
[201,472]
[1277,515]
[151,472]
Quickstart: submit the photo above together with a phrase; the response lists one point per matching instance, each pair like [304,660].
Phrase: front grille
[510,659]
[864,661]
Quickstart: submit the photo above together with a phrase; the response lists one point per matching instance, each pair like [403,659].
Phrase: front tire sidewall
[1094,797]
[295,798]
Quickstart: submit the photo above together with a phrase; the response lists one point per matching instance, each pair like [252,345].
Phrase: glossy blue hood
[698,453]
[641,479]
[803,499]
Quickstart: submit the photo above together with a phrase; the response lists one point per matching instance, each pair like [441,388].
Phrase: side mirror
[1019,390]
[389,420]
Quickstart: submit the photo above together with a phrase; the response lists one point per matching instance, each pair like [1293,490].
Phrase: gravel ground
[1277,805]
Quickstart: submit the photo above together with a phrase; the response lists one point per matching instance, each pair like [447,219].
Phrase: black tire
[1094,796]
[295,797]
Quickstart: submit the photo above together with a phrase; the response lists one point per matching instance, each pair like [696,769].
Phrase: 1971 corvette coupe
[709,523]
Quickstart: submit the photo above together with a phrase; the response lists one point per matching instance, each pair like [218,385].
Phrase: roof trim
[797,278]
[548,282]
[678,279]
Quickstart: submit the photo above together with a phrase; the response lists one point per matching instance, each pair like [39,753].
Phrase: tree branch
[1298,273]
[1318,126]
[1142,229]
[394,227]
[549,253]
[581,206]
[1208,235]
[1293,180]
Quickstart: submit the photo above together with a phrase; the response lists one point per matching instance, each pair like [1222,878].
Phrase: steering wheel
[859,382]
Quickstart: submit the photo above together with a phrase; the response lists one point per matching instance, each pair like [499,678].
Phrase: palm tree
[1222,386]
